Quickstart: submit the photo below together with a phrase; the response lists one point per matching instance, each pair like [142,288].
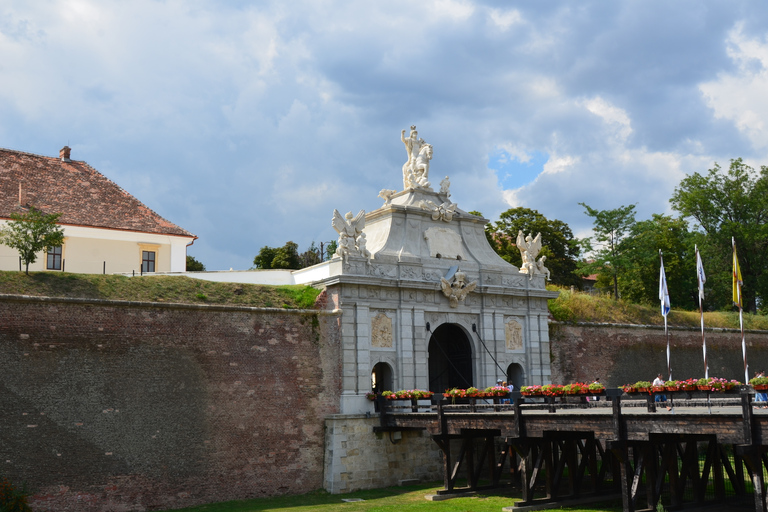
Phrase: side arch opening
[381,378]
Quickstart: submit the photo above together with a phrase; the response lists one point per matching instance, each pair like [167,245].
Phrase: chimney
[64,154]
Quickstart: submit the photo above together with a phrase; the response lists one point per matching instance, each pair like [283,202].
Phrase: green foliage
[724,205]
[311,256]
[303,297]
[558,244]
[13,499]
[31,232]
[609,257]
[330,249]
[583,307]
[193,265]
[285,257]
[155,288]
[639,278]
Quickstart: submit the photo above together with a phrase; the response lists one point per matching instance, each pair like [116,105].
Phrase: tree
[311,256]
[285,257]
[330,250]
[559,246]
[639,280]
[724,205]
[193,265]
[31,232]
[610,227]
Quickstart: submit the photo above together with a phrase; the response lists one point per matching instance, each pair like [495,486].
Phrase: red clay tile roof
[83,196]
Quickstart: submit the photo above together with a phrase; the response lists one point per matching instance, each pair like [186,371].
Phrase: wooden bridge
[709,448]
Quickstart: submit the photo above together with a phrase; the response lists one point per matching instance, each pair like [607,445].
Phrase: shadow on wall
[90,414]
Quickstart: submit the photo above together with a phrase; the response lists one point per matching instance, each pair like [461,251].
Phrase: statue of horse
[421,165]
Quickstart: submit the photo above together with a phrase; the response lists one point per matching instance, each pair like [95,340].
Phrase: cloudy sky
[247,123]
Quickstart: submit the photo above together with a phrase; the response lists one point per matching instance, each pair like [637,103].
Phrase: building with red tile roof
[106,229]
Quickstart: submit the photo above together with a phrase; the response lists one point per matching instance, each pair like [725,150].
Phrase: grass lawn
[156,288]
[390,499]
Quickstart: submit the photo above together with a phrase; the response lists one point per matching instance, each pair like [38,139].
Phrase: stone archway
[381,378]
[516,376]
[450,359]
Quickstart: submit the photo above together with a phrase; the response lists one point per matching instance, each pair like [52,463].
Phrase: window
[147,261]
[54,258]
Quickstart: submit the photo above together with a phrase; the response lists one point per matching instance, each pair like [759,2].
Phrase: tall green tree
[285,257]
[31,232]
[193,265]
[608,255]
[559,246]
[311,256]
[724,205]
[639,279]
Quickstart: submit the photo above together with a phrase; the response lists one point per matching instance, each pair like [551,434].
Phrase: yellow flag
[737,281]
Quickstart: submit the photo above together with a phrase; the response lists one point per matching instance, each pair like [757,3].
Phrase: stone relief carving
[382,271]
[512,281]
[457,289]
[444,211]
[514,334]
[407,273]
[444,242]
[351,237]
[381,331]
[416,168]
[529,250]
[354,267]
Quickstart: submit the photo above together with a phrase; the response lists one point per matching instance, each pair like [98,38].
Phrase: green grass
[582,307]
[390,499]
[175,289]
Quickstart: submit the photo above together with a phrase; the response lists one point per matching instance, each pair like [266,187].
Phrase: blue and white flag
[663,291]
[700,275]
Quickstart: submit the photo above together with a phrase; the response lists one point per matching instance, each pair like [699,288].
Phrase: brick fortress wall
[127,406]
[622,354]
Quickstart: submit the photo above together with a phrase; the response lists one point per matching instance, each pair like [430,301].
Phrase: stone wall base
[357,458]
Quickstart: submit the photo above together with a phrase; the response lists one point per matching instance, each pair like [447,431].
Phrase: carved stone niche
[514,334]
[381,331]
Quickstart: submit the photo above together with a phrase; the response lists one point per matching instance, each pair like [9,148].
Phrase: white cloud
[740,96]
[614,116]
[503,19]
[248,122]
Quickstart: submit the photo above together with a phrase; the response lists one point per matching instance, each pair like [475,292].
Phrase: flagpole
[664,298]
[701,279]
[737,295]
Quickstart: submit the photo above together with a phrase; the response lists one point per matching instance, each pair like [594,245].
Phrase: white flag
[663,291]
[700,274]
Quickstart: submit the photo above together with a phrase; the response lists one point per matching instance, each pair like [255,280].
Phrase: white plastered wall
[90,250]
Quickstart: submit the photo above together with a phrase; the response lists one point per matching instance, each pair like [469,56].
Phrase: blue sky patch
[511,172]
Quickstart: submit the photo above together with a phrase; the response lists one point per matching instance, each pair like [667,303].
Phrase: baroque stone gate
[426,302]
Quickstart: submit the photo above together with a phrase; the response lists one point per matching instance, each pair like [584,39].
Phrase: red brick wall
[110,406]
[626,354]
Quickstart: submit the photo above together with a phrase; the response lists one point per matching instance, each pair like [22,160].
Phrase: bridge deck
[628,445]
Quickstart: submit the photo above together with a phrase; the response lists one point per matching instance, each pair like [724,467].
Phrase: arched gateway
[425,301]
[450,359]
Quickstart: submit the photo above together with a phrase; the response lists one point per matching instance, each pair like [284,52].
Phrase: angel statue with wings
[529,250]
[351,237]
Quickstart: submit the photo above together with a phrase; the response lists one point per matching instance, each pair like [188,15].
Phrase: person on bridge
[659,382]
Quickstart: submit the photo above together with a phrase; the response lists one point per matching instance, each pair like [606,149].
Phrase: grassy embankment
[568,307]
[171,289]
[582,307]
